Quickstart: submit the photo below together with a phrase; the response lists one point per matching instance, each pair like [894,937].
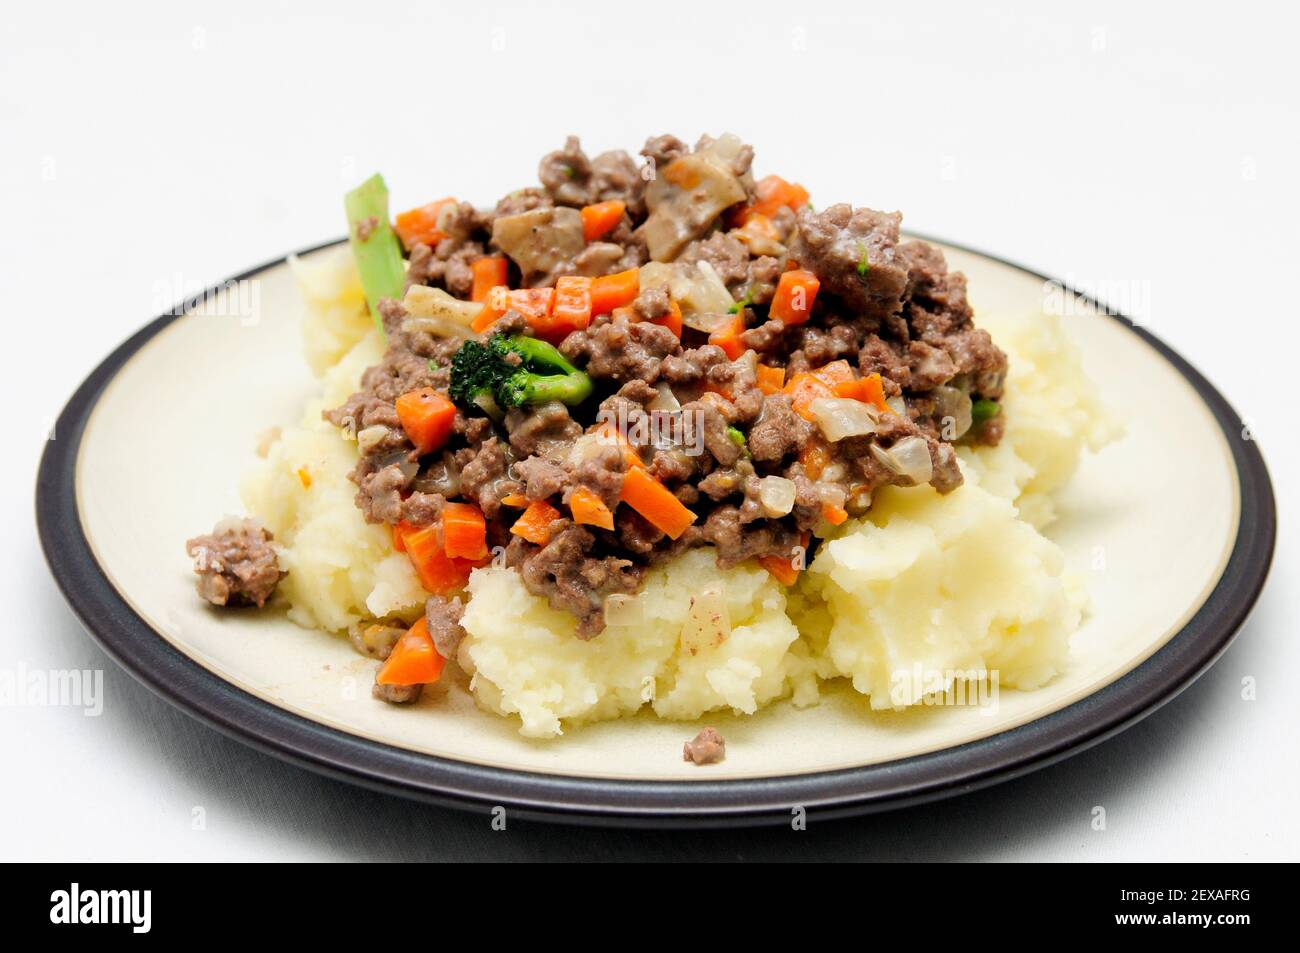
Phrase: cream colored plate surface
[167,442]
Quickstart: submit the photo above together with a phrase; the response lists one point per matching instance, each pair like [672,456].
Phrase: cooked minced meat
[236,564]
[708,747]
[690,356]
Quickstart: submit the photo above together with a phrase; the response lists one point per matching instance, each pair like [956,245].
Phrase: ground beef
[835,243]
[652,304]
[779,431]
[541,429]
[523,200]
[766,337]
[689,367]
[379,494]
[929,366]
[484,476]
[397,694]
[443,618]
[707,747]
[541,477]
[572,179]
[571,579]
[618,349]
[235,563]
[727,256]
[661,150]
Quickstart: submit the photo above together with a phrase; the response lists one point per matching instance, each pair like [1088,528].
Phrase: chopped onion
[709,292]
[623,609]
[898,405]
[909,458]
[656,274]
[776,494]
[708,621]
[840,417]
[666,401]
[708,321]
[435,311]
[371,437]
[953,408]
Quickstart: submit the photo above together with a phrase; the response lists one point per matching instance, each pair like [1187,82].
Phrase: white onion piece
[656,274]
[909,458]
[897,405]
[623,609]
[953,403]
[371,436]
[776,496]
[588,447]
[442,314]
[708,621]
[841,417]
[666,401]
[708,322]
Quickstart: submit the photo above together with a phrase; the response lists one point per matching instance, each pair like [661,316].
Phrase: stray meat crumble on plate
[661,396]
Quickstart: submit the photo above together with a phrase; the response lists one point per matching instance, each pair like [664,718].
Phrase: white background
[149,151]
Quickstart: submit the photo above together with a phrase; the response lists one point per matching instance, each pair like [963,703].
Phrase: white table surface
[148,154]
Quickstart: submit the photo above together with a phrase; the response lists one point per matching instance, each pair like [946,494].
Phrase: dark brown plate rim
[139,649]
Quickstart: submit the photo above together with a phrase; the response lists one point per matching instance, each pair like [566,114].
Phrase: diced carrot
[836,373]
[781,567]
[589,509]
[770,379]
[414,660]
[869,390]
[803,389]
[400,529]
[515,499]
[427,417]
[600,219]
[535,304]
[835,515]
[612,291]
[815,457]
[489,273]
[464,531]
[420,225]
[607,431]
[655,502]
[438,572]
[727,336]
[673,319]
[683,174]
[873,390]
[795,293]
[304,477]
[496,304]
[571,311]
[771,193]
[535,524]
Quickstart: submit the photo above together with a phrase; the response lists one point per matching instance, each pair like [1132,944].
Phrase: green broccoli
[514,371]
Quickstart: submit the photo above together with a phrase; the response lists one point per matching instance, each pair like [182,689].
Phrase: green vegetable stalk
[514,371]
[374,245]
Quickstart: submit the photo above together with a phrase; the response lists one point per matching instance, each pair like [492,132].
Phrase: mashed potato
[1052,415]
[924,585]
[525,660]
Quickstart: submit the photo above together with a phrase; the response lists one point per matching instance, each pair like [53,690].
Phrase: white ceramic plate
[1184,561]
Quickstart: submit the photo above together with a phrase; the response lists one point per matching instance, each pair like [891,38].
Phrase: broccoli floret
[514,371]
